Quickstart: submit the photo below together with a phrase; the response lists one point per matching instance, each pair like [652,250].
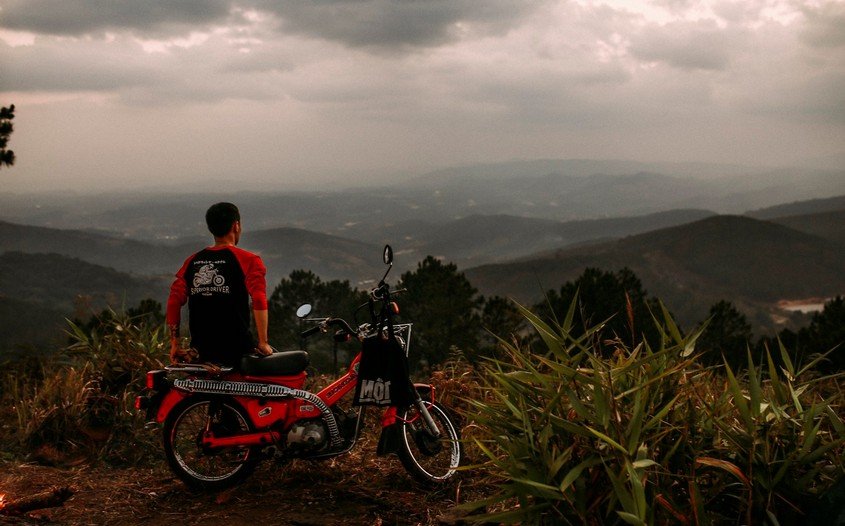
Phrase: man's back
[218,283]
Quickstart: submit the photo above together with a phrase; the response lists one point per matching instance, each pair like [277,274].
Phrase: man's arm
[256,286]
[178,297]
[261,323]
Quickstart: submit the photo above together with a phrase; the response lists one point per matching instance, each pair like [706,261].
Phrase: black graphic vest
[218,305]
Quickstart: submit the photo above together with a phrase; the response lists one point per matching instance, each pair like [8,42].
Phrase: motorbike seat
[277,364]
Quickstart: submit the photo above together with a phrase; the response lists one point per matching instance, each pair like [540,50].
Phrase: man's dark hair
[221,217]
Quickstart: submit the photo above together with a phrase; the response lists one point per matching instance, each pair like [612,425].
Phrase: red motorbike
[219,422]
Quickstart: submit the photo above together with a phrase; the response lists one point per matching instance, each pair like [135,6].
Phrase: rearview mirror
[388,255]
[303,310]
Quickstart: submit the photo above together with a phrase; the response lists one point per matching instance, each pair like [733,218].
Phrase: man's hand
[175,351]
[264,349]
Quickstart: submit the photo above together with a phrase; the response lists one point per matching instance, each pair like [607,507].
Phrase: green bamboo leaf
[575,472]
[689,344]
[636,424]
[781,472]
[785,357]
[541,490]
[835,421]
[601,436]
[818,358]
[794,395]
[821,451]
[637,490]
[569,427]
[621,493]
[774,378]
[671,325]
[580,409]
[601,405]
[754,390]
[739,399]
[523,376]
[484,449]
[557,462]
[660,415]
[697,504]
[630,518]
[548,335]
[644,463]
[564,370]
[730,467]
[570,312]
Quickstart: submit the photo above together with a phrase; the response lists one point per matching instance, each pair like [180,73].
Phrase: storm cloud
[79,17]
[272,90]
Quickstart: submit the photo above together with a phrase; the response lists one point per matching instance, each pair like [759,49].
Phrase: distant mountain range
[480,239]
[468,241]
[812,206]
[558,190]
[504,223]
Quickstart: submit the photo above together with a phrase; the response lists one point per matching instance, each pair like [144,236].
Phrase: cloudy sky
[293,93]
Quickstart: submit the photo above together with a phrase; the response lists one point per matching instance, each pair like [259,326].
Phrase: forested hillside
[753,263]
[38,291]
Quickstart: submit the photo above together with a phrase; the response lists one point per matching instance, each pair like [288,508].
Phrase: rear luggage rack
[198,368]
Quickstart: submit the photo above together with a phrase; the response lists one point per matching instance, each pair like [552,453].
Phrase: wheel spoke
[428,458]
[198,462]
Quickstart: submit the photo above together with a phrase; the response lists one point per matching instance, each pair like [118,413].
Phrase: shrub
[587,431]
[80,404]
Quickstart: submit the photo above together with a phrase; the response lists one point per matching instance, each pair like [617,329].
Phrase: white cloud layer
[115,93]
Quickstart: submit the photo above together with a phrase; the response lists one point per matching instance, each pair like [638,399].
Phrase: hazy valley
[516,229]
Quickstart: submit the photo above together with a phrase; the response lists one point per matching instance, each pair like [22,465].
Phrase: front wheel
[200,467]
[430,460]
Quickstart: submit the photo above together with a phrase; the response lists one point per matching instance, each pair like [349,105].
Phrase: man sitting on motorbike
[218,283]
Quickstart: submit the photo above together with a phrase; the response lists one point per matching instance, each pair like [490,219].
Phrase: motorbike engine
[308,435]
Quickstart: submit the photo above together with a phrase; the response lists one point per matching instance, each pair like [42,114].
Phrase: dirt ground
[357,489]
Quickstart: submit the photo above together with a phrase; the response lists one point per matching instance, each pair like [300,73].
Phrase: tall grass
[649,436]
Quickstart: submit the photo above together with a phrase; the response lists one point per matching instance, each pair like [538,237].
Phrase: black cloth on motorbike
[383,377]
[277,364]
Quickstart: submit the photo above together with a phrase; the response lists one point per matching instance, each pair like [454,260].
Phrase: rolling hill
[808,207]
[829,225]
[750,262]
[330,257]
[480,239]
[38,291]
[59,282]
[127,255]
[283,250]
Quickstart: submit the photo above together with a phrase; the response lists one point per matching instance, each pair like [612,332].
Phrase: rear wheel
[198,466]
[430,460]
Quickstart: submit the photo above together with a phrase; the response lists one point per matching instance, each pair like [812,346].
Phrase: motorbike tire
[202,469]
[430,461]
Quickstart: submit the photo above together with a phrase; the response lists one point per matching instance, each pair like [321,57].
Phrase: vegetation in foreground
[593,431]
[570,424]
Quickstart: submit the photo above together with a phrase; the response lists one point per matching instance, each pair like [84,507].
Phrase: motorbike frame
[272,418]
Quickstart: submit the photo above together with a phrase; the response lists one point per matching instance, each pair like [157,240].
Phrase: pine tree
[7,156]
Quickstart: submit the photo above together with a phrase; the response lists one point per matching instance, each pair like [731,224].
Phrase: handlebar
[381,293]
[325,324]
[377,294]
[308,332]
